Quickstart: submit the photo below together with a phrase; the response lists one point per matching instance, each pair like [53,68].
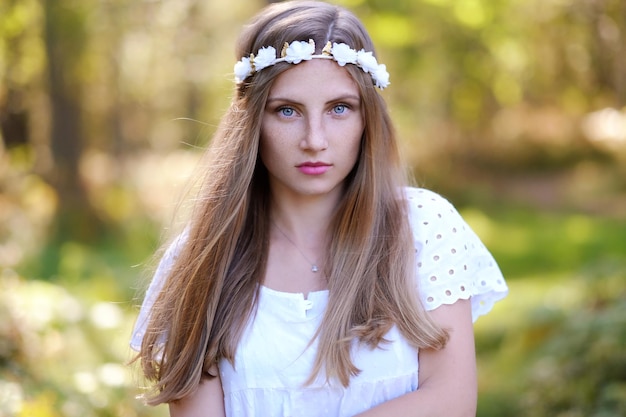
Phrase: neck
[298,244]
[304,220]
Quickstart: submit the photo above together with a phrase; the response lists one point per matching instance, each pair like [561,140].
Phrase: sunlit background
[512,109]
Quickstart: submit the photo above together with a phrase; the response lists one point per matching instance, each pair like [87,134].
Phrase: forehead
[314,78]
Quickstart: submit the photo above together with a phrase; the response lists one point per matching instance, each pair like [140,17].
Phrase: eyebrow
[338,98]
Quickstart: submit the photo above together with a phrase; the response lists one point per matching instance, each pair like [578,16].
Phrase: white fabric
[274,359]
[452,262]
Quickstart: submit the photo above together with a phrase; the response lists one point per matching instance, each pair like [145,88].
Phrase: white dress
[274,357]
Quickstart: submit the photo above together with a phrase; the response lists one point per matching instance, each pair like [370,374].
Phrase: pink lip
[313,168]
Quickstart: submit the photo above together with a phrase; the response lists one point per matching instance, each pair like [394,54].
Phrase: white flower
[299,51]
[366,61]
[243,69]
[381,76]
[265,58]
[343,54]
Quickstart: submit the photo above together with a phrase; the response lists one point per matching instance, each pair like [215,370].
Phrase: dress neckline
[293,306]
[293,294]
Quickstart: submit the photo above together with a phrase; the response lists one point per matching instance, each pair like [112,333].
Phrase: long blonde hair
[212,288]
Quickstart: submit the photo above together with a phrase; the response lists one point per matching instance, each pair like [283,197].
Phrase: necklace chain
[314,267]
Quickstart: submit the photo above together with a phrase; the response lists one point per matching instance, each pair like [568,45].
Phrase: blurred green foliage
[62,352]
[513,109]
[555,346]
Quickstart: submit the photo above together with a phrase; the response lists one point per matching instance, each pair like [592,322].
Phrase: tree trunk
[65,41]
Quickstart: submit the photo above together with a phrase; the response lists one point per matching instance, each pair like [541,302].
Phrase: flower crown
[298,51]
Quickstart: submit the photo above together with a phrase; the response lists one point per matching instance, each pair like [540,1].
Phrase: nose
[315,137]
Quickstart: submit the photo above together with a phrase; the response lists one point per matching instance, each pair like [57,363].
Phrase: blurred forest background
[513,109]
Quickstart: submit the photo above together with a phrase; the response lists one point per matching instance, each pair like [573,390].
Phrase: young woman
[310,280]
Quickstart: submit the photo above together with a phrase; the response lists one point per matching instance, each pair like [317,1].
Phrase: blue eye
[340,109]
[286,111]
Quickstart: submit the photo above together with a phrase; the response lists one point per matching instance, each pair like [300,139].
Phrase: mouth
[313,168]
[313,164]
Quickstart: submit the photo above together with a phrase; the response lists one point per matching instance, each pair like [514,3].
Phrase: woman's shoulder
[434,219]
[452,261]
[426,204]
[419,195]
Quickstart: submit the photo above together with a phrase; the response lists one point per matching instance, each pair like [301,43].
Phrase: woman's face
[311,130]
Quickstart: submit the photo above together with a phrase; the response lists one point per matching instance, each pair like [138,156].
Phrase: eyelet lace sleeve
[452,262]
[158,280]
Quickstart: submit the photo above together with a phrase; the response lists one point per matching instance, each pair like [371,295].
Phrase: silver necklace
[314,267]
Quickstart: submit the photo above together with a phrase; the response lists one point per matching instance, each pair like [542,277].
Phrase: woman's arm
[207,401]
[447,377]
